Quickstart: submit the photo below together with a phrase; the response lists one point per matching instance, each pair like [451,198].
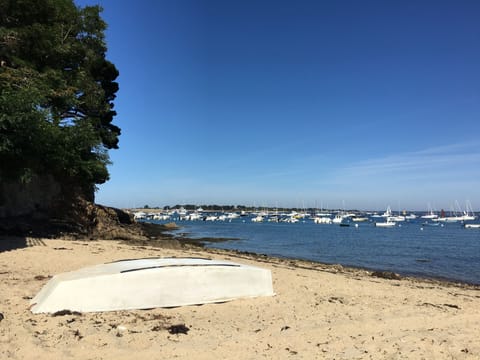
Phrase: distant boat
[448,219]
[290,219]
[150,283]
[385,224]
[182,211]
[468,214]
[232,215]
[458,214]
[430,214]
[161,216]
[322,220]
[339,218]
[431,224]
[194,216]
[323,214]
[387,213]
[274,218]
[139,215]
[258,218]
[359,219]
[396,218]
[472,226]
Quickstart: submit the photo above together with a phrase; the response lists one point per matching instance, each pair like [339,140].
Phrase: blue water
[449,252]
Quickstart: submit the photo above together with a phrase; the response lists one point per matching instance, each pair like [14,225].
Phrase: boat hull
[150,283]
[385,224]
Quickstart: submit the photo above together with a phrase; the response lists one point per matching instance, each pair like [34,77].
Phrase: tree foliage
[56,92]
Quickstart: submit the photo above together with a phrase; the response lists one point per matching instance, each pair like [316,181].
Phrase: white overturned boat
[151,282]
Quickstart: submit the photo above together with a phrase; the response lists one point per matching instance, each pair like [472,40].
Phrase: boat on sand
[151,282]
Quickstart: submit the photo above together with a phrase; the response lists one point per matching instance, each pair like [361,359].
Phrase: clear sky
[354,104]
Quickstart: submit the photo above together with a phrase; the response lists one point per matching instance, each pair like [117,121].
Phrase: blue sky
[356,104]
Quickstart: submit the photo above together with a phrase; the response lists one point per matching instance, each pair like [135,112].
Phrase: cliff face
[21,199]
[44,206]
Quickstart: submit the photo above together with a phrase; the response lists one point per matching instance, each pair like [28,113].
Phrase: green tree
[56,94]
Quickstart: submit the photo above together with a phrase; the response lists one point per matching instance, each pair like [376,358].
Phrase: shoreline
[203,243]
[334,268]
[319,311]
[337,268]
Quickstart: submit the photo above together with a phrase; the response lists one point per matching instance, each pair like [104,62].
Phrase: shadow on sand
[8,243]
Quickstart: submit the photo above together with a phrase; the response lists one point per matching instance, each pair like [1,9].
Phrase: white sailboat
[468,214]
[387,213]
[430,215]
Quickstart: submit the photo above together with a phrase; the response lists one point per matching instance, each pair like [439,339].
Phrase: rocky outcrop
[85,220]
[45,207]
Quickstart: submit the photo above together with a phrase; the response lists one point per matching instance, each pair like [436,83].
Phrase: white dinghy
[151,282]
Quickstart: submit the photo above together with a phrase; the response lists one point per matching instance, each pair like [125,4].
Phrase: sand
[318,312]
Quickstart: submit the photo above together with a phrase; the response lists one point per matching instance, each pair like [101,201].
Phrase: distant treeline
[191,207]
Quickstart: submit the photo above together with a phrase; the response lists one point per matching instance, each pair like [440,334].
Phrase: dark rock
[178,329]
[453,306]
[66,312]
[387,275]
[41,277]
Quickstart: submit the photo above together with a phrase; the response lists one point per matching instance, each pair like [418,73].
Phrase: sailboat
[468,214]
[430,214]
[387,213]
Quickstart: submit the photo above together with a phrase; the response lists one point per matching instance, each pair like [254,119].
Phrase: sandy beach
[318,312]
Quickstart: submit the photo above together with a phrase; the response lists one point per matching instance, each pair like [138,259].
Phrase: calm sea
[448,252]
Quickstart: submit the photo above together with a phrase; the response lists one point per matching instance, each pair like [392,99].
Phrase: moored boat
[258,218]
[387,213]
[385,224]
[431,224]
[359,219]
[322,220]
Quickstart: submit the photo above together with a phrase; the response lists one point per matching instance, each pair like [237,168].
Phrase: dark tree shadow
[8,243]
[21,232]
